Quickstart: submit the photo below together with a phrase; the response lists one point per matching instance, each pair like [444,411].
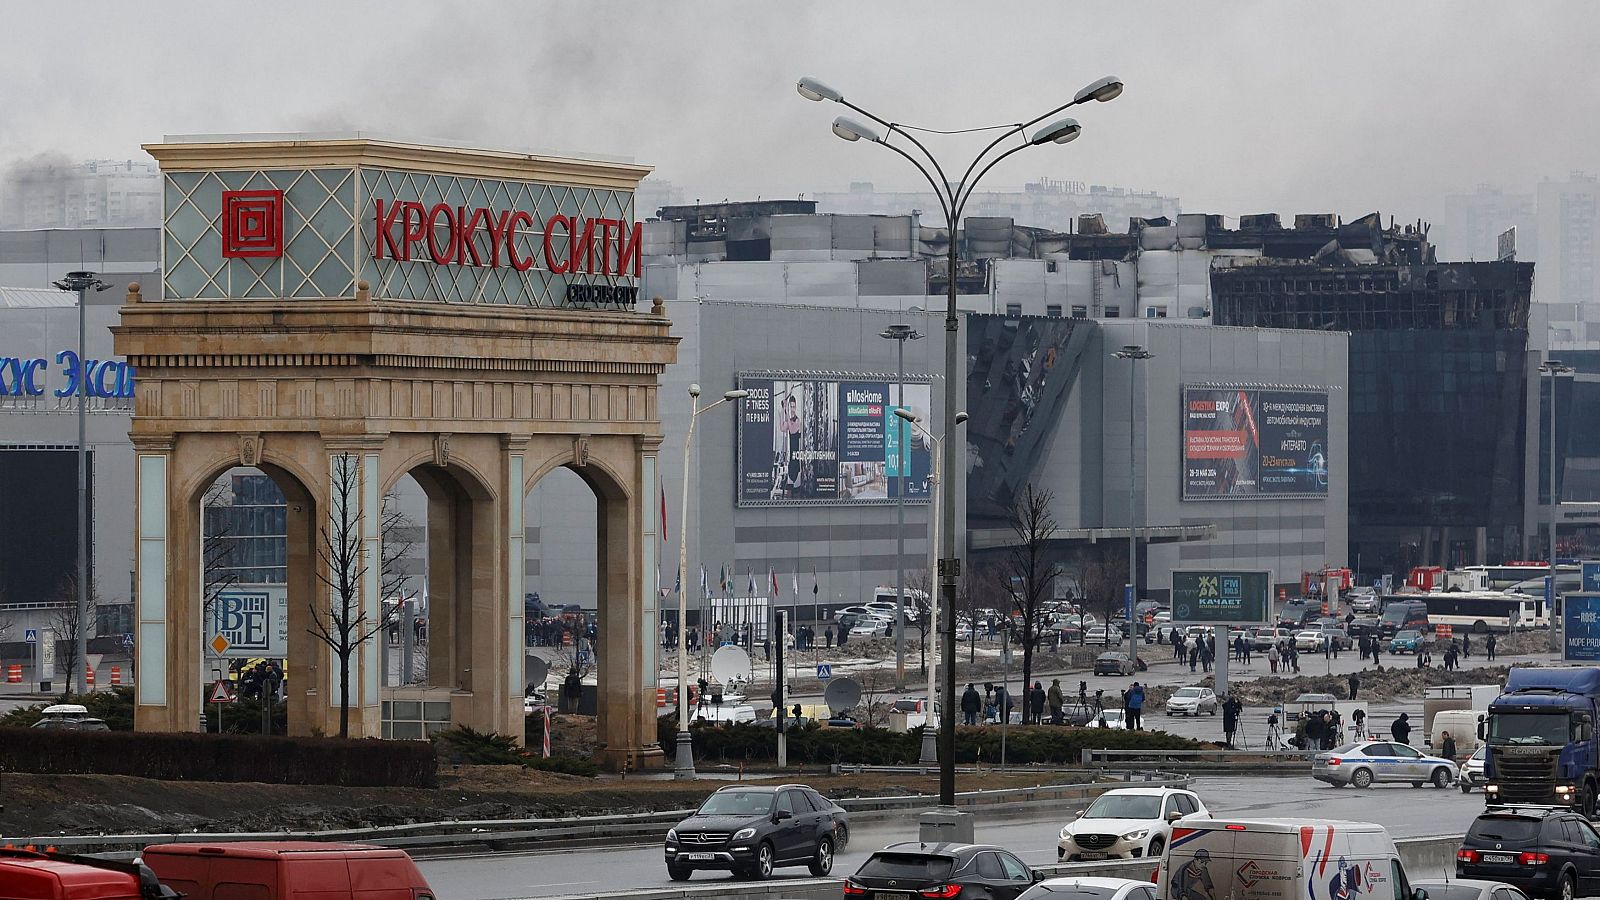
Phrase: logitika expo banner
[1242,443]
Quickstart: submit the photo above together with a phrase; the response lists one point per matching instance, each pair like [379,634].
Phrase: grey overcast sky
[1233,106]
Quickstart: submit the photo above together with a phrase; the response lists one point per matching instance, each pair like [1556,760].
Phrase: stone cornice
[382,154]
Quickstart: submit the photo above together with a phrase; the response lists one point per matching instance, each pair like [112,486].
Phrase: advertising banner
[1215,597]
[815,440]
[1581,634]
[1243,443]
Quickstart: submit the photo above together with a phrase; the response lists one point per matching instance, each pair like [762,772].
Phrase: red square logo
[252,223]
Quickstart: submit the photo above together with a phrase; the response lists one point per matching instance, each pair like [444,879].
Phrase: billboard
[1243,443]
[815,440]
[1580,641]
[1214,597]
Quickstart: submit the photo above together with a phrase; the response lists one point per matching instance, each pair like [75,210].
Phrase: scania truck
[1541,737]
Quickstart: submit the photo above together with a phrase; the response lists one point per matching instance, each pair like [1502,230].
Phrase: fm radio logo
[252,224]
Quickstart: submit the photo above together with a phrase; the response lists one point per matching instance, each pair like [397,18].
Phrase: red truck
[245,870]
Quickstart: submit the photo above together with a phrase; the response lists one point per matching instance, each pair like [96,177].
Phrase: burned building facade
[1439,382]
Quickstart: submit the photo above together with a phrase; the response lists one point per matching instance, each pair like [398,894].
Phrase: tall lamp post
[1553,369]
[900,333]
[930,749]
[953,197]
[82,283]
[1132,353]
[683,754]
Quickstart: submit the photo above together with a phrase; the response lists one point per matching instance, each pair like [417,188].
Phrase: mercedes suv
[750,831]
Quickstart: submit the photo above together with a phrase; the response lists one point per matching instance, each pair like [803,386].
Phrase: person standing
[1466,646]
[1272,658]
[971,703]
[1135,705]
[1036,699]
[1400,729]
[828,636]
[1447,746]
[1231,708]
[1056,701]
[1488,645]
[1355,684]
[1375,662]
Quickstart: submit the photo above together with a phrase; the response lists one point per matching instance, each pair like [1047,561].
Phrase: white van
[1281,859]
[723,715]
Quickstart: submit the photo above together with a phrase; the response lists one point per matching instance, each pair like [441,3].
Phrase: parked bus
[1483,611]
[1505,576]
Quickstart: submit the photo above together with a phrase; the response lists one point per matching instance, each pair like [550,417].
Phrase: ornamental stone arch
[476,339]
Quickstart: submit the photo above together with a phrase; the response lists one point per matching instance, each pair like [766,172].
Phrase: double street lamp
[900,333]
[82,283]
[1553,369]
[930,751]
[1133,353]
[952,198]
[683,754]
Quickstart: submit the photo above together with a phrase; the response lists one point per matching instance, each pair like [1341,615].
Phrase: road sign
[31,635]
[220,692]
[824,671]
[1591,576]
[220,645]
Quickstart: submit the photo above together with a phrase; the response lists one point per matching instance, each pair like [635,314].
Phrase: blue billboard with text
[1217,597]
[1581,632]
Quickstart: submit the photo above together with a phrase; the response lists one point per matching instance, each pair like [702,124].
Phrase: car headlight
[672,834]
[744,834]
[1066,833]
[1136,835]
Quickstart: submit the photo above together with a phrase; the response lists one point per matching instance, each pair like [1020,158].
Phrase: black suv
[1547,851]
[752,830]
[940,870]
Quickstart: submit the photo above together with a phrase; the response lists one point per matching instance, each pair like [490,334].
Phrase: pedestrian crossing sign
[824,671]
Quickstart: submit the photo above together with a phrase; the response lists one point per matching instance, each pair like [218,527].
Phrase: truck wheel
[1361,778]
[1441,777]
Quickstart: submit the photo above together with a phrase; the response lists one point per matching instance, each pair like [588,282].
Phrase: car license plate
[702,857]
[890,895]
[1502,858]
[1091,854]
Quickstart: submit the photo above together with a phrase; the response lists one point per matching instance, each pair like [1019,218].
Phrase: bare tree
[917,582]
[67,623]
[1102,571]
[343,623]
[218,573]
[1028,572]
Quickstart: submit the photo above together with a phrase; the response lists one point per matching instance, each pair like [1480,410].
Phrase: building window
[1050,265]
[1053,309]
[1080,312]
[1155,312]
[1113,312]
[1013,310]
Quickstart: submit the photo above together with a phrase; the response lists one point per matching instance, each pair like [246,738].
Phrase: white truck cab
[1281,859]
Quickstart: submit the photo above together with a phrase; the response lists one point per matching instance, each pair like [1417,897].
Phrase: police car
[1365,762]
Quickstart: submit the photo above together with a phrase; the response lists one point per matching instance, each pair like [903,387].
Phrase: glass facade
[247,522]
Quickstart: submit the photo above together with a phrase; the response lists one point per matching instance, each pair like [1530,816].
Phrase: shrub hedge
[465,745]
[219,757]
[877,746]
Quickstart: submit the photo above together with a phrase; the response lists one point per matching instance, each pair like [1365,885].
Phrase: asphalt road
[1405,811]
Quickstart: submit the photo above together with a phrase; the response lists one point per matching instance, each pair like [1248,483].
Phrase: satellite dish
[842,695]
[538,669]
[730,665]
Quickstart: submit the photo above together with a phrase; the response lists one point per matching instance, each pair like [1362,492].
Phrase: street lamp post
[930,749]
[952,198]
[82,283]
[1553,368]
[900,333]
[683,754]
[1132,353]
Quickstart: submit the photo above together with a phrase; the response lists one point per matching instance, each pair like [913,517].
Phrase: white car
[1114,718]
[1127,823]
[1102,634]
[1309,640]
[1472,769]
[1192,701]
[869,625]
[884,609]
[1073,887]
[856,611]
